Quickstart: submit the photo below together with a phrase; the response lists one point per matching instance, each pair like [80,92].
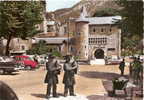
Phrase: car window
[30,58]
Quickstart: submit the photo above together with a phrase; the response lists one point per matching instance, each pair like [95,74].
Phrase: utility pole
[68,36]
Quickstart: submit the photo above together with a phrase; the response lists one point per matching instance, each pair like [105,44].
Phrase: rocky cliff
[92,6]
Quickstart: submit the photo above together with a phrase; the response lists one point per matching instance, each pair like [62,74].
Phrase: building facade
[97,37]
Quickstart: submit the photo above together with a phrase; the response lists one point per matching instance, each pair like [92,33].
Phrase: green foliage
[137,69]
[57,53]
[40,48]
[106,12]
[76,57]
[19,19]
[131,25]
[136,64]
[132,14]
[131,46]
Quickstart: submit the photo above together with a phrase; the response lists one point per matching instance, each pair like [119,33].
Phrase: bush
[40,48]
[57,54]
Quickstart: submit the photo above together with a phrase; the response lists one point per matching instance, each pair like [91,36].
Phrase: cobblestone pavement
[29,85]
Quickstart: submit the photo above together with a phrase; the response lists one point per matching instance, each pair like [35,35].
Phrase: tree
[132,14]
[19,19]
[106,12]
[131,24]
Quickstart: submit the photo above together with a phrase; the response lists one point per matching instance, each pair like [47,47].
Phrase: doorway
[99,54]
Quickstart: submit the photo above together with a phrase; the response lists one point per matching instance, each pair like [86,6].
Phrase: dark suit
[53,69]
[121,67]
[69,77]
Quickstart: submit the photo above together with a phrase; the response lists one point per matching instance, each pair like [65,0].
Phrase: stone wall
[112,34]
[82,29]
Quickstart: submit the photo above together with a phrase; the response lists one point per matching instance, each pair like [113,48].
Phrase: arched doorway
[99,54]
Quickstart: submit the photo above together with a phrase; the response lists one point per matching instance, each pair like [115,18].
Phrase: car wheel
[28,67]
[9,72]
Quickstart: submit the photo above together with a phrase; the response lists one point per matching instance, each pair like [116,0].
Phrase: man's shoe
[47,96]
[65,94]
[72,95]
[56,96]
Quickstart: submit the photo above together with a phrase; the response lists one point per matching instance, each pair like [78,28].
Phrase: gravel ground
[29,85]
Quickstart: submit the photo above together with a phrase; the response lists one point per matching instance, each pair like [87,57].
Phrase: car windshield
[30,58]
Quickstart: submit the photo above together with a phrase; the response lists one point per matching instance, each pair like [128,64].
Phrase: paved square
[29,85]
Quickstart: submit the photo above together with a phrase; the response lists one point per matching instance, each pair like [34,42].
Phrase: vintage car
[112,61]
[26,61]
[8,65]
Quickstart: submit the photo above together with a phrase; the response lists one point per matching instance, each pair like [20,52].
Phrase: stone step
[78,97]
[97,62]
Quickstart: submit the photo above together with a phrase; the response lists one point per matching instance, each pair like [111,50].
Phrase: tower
[81,36]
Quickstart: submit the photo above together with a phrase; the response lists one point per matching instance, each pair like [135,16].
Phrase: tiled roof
[53,40]
[101,20]
[45,35]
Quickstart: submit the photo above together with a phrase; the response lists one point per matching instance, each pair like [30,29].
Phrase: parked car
[42,59]
[112,61]
[26,61]
[8,65]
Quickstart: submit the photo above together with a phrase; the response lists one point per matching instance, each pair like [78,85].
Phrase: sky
[53,5]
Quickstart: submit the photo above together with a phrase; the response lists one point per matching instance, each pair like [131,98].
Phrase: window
[23,47]
[86,54]
[102,30]
[72,49]
[94,30]
[98,41]
[50,28]
[18,40]
[65,29]
[110,29]
[78,33]
[111,49]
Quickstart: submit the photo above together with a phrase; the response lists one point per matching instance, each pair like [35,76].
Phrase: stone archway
[99,54]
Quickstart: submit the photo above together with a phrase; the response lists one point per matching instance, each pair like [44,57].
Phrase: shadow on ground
[10,74]
[43,95]
[105,97]
[99,97]
[101,75]
[39,95]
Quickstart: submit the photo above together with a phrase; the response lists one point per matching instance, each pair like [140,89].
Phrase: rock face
[92,6]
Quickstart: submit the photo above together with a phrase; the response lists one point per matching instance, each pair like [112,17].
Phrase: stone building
[97,37]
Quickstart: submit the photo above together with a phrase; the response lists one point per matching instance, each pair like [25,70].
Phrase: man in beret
[53,70]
